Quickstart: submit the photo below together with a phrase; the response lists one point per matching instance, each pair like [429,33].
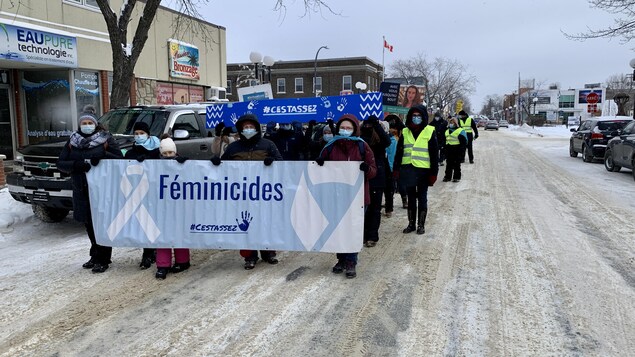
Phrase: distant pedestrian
[90,143]
[416,164]
[221,140]
[348,146]
[145,146]
[440,125]
[456,142]
[251,147]
[469,125]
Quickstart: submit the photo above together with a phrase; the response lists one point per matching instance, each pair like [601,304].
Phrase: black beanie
[141,126]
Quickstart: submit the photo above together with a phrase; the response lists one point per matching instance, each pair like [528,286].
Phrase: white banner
[289,205]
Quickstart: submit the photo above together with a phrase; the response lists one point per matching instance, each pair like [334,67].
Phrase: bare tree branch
[624,24]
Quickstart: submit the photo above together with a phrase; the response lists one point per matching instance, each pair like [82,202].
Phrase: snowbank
[559,131]
[12,211]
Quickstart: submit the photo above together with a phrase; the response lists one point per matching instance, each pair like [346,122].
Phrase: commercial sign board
[34,46]
[259,92]
[390,93]
[184,60]
[582,96]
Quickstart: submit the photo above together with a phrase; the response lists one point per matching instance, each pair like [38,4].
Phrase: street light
[261,65]
[632,64]
[268,61]
[315,66]
[256,58]
[535,101]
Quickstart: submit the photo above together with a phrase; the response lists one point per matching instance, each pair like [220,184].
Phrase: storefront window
[48,111]
[87,91]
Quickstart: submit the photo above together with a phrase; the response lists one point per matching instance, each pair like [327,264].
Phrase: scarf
[88,142]
[340,137]
[151,143]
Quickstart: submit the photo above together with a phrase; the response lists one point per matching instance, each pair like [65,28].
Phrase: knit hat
[167,144]
[141,126]
[87,116]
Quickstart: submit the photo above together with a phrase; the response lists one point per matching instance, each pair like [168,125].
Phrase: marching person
[455,144]
[397,126]
[221,140]
[374,135]
[440,125]
[416,165]
[164,255]
[91,142]
[252,146]
[290,142]
[469,126]
[348,146]
[145,146]
[391,185]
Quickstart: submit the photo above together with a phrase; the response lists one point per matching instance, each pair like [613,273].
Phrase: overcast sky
[496,39]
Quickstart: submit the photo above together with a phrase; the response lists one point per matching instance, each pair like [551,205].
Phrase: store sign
[33,46]
[596,95]
[183,60]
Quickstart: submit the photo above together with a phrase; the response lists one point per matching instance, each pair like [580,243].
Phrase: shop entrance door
[6,129]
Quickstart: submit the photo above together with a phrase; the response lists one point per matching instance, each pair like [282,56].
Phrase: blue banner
[293,206]
[297,109]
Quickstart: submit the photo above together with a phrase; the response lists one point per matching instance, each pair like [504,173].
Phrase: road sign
[592,98]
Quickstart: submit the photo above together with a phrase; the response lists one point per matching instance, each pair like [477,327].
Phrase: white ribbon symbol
[133,204]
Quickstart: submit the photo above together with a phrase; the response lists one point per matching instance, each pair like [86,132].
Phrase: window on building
[299,85]
[229,87]
[87,91]
[318,84]
[567,101]
[88,3]
[282,85]
[369,82]
[347,83]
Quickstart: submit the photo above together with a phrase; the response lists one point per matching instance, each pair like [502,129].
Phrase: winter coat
[391,151]
[417,174]
[440,127]
[219,145]
[67,159]
[379,152]
[253,149]
[348,150]
[137,151]
[290,144]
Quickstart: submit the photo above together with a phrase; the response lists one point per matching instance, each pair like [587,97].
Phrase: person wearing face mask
[374,135]
[469,126]
[90,143]
[391,186]
[252,147]
[417,165]
[456,141]
[317,136]
[144,147]
[348,146]
[440,125]
[290,143]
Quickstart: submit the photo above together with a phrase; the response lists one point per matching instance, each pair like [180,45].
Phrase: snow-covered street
[532,253]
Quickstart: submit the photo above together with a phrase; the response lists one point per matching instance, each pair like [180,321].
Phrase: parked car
[491,124]
[620,151]
[503,124]
[591,138]
[37,181]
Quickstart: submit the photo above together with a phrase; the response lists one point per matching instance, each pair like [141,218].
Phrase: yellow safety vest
[416,152]
[453,138]
[466,125]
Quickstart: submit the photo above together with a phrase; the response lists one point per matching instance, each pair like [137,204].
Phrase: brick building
[294,79]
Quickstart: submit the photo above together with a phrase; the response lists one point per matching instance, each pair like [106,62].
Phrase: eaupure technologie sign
[33,46]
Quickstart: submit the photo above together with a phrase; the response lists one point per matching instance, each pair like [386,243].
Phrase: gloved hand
[432,180]
[215,160]
[140,158]
[94,161]
[268,161]
[181,159]
[81,166]
[320,161]
[395,175]
[364,167]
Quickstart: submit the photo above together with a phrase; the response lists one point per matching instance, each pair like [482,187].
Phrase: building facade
[57,59]
[294,79]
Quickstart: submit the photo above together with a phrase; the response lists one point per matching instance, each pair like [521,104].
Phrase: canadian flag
[386,45]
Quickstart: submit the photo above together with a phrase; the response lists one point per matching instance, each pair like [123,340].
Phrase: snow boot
[339,267]
[350,270]
[179,267]
[404,202]
[161,273]
[99,268]
[89,264]
[421,229]
[412,221]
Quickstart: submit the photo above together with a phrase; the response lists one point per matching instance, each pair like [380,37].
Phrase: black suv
[592,136]
[621,150]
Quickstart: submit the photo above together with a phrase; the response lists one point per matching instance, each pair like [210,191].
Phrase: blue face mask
[328,137]
[140,139]
[249,133]
[87,128]
[344,132]
[452,126]
[417,119]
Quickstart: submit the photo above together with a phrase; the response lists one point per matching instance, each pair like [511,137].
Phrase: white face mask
[140,139]
[328,137]
[344,132]
[87,128]
[249,133]
[417,119]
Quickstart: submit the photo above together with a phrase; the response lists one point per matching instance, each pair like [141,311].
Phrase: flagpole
[383,55]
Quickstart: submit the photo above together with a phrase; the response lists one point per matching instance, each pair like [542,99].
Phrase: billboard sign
[34,46]
[184,60]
